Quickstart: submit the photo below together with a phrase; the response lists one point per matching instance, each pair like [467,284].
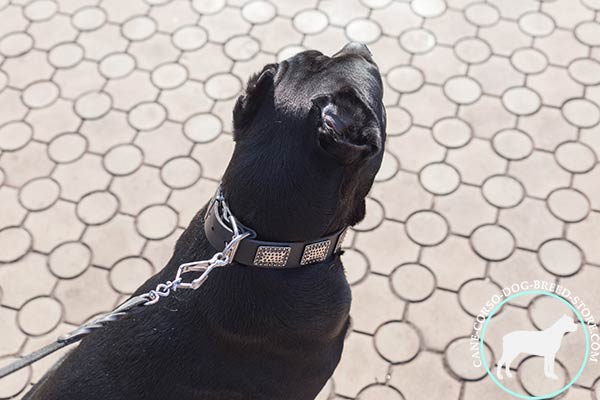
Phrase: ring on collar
[220,226]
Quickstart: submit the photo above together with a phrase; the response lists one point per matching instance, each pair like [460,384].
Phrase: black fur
[297,173]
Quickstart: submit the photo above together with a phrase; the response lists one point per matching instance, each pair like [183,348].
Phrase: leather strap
[264,254]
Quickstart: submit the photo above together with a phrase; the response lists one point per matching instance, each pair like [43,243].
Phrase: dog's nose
[357,48]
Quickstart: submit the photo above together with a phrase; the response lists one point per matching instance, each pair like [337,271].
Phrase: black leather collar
[258,253]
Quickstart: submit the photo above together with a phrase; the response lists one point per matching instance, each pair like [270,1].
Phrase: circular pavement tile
[529,61]
[413,282]
[93,105]
[356,265]
[89,18]
[521,100]
[14,242]
[581,112]
[181,172]
[156,222]
[39,194]
[512,144]
[462,90]
[40,10]
[69,260]
[259,12]
[461,366]
[560,257]
[482,14]
[242,48]
[589,33]
[568,204]
[117,65]
[223,86]
[417,40]
[14,383]
[127,274]
[439,178]
[39,315]
[585,71]
[536,24]
[139,27]
[190,38]
[427,228]
[15,44]
[473,294]
[310,22]
[97,207]
[363,30]
[575,157]
[147,116]
[452,132]
[169,76]
[493,242]
[378,392]
[15,135]
[397,351]
[398,121]
[428,8]
[472,50]
[123,159]
[503,191]
[40,94]
[405,79]
[208,6]
[67,147]
[202,128]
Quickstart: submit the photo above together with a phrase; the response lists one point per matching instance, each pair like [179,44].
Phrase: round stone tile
[503,191]
[452,132]
[398,121]
[417,40]
[585,71]
[575,157]
[363,30]
[67,147]
[93,105]
[156,222]
[389,167]
[259,12]
[529,61]
[40,94]
[189,38]
[473,294]
[15,44]
[127,274]
[242,48]
[581,113]
[373,217]
[208,6]
[3,80]
[123,159]
[375,4]
[512,144]
[378,392]
[39,194]
[413,282]
[289,51]
[439,178]
[405,79]
[310,22]
[181,172]
[69,260]
[593,5]
[534,382]
[589,33]
[169,76]
[461,366]
[202,128]
[14,383]
[536,24]
[482,14]
[521,100]
[139,27]
[493,242]
[147,116]
[356,266]
[89,18]
[14,242]
[39,315]
[97,207]
[117,65]
[428,8]
[472,50]
[65,55]
[15,135]
[397,351]
[462,89]
[40,10]
[568,204]
[223,86]
[427,228]
[543,311]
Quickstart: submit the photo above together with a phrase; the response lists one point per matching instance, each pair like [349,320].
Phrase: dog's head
[311,128]
[567,323]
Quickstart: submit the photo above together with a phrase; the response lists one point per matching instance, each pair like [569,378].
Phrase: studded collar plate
[264,254]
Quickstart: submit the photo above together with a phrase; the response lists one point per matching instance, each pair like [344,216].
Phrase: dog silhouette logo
[539,343]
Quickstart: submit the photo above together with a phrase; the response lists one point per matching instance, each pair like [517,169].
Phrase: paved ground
[115,128]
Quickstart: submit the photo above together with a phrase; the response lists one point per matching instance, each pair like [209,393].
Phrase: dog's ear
[347,128]
[248,103]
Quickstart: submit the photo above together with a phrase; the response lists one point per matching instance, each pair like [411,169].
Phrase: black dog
[309,138]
